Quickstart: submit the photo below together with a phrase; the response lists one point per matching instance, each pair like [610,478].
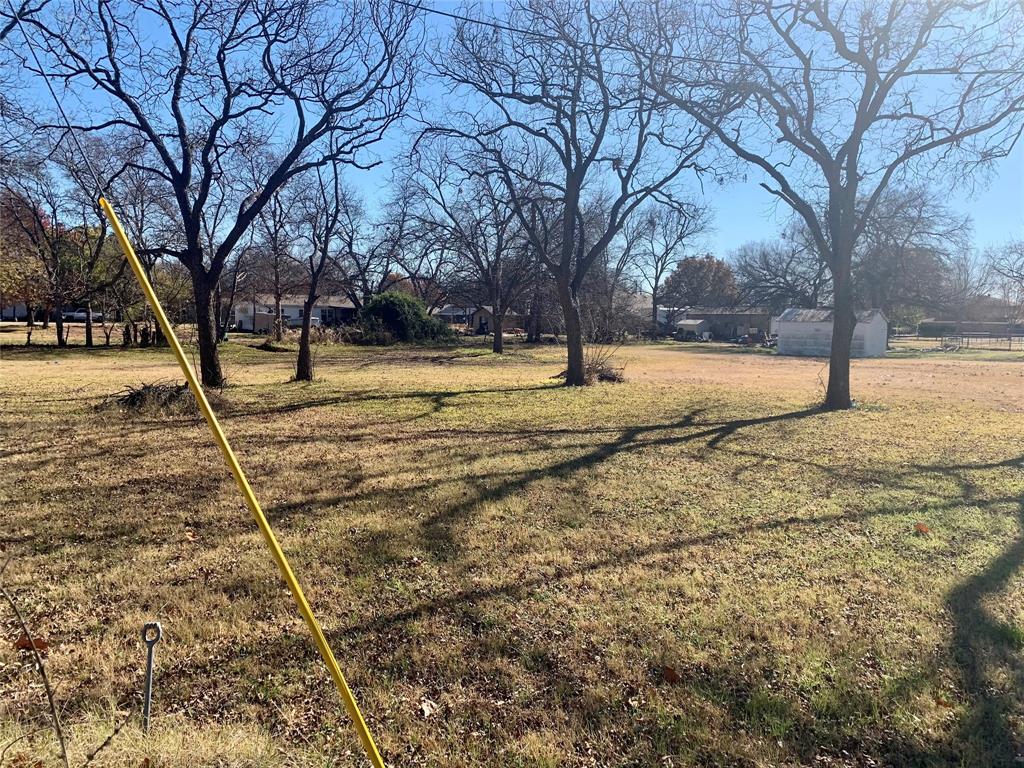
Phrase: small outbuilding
[808,332]
[688,330]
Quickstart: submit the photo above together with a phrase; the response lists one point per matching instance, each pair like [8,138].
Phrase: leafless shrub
[597,364]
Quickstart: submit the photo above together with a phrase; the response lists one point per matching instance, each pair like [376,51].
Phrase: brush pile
[158,398]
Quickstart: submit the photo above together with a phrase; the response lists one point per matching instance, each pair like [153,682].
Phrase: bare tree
[783,273]
[833,102]
[369,250]
[277,231]
[967,280]
[429,261]
[216,87]
[908,250]
[22,10]
[148,212]
[15,127]
[228,287]
[470,214]
[609,290]
[35,207]
[1006,265]
[666,233]
[321,201]
[563,121]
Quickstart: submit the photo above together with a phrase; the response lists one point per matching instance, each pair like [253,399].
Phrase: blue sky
[742,210]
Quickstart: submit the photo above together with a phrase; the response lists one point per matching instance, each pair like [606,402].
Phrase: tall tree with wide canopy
[561,117]
[833,102]
[701,281]
[214,82]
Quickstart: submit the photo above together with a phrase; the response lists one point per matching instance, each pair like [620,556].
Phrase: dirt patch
[997,384]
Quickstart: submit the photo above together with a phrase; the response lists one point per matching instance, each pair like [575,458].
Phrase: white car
[296,322]
[80,315]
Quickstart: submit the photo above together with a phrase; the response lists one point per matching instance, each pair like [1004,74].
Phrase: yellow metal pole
[250,497]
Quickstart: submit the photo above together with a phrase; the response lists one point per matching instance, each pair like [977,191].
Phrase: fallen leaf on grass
[25,643]
[921,529]
[428,707]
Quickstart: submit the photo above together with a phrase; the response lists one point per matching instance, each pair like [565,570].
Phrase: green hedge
[398,317]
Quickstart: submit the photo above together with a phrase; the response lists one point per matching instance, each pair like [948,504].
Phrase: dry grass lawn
[691,568]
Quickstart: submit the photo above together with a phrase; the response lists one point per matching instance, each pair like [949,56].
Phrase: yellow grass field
[693,568]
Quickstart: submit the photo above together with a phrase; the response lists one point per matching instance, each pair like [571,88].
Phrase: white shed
[693,329]
[808,332]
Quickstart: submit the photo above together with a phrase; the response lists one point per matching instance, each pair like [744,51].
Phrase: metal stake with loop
[151,634]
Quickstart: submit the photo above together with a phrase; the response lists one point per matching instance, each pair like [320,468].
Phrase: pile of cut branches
[158,398]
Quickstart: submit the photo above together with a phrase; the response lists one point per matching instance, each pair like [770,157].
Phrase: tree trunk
[88,324]
[216,313]
[304,364]
[206,332]
[654,310]
[498,344]
[278,323]
[46,316]
[61,340]
[533,324]
[31,320]
[575,375]
[844,320]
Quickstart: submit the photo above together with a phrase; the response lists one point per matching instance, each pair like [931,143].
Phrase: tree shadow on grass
[437,529]
[982,646]
[438,399]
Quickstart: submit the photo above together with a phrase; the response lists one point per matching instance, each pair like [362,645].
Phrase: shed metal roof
[822,315]
[692,325]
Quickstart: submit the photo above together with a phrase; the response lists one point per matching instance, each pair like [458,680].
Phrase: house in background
[257,313]
[808,332]
[482,320]
[726,323]
[454,315]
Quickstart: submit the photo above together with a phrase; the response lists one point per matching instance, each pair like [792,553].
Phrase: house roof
[490,310]
[823,315]
[295,299]
[691,325]
[451,309]
[728,310]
